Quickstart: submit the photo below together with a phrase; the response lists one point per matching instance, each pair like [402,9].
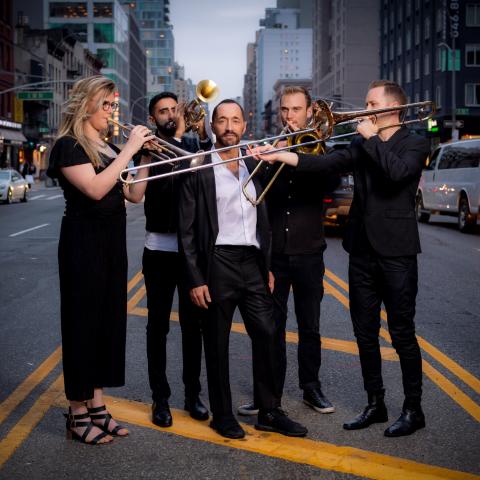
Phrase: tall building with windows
[156,34]
[283,51]
[417,42]
[345,49]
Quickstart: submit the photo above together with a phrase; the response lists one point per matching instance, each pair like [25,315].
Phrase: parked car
[450,185]
[12,186]
[337,203]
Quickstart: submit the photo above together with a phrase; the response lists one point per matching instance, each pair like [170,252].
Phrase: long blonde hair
[75,112]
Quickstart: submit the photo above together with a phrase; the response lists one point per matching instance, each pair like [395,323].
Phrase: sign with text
[45,95]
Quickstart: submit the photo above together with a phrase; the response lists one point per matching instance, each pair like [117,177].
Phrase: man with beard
[226,243]
[162,270]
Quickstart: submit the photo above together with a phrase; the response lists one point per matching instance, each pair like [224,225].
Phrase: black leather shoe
[161,415]
[375,412]
[228,428]
[409,422]
[277,421]
[197,409]
[314,398]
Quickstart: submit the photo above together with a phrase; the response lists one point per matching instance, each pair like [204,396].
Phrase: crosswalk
[45,197]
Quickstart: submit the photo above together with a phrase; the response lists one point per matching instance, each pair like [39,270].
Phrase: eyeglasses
[106,105]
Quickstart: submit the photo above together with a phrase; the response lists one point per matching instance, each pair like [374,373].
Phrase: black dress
[92,261]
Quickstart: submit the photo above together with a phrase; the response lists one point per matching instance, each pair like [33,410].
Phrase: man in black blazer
[226,244]
[383,242]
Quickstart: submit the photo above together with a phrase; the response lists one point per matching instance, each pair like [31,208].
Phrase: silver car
[450,185]
[12,186]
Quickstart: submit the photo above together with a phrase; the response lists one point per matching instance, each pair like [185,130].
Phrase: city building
[345,50]
[156,34]
[417,43]
[183,88]
[250,91]
[283,51]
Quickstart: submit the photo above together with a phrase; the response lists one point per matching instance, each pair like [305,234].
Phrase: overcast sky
[211,39]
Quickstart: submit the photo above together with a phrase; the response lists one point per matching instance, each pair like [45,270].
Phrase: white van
[450,185]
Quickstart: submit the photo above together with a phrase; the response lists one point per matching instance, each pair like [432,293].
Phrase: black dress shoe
[161,415]
[197,409]
[314,398]
[277,421]
[229,428]
[375,412]
[409,422]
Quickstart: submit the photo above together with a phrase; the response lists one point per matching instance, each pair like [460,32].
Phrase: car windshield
[4,175]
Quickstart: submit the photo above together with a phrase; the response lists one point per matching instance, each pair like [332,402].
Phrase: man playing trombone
[295,207]
[162,269]
[383,242]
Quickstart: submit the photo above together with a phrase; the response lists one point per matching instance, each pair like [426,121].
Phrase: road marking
[440,380]
[447,362]
[29,230]
[36,197]
[24,389]
[318,454]
[27,423]
[54,197]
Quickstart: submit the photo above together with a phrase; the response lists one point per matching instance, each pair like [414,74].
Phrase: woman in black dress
[92,255]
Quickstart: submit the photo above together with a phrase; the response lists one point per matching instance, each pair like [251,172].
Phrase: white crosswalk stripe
[54,197]
[36,197]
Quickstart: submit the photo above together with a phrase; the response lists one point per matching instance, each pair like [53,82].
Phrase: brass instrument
[206,91]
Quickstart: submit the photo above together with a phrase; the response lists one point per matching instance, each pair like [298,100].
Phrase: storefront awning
[12,137]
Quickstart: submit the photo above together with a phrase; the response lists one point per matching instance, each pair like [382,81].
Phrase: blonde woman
[92,255]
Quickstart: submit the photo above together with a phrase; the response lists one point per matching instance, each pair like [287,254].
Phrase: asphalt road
[32,436]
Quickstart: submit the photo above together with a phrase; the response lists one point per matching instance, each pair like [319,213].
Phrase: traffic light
[432,125]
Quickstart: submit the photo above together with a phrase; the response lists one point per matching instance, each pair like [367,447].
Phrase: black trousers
[393,280]
[161,271]
[304,274]
[235,280]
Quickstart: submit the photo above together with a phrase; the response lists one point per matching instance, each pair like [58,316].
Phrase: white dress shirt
[237,217]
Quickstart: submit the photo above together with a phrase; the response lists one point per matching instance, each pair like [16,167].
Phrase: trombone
[325,120]
[320,129]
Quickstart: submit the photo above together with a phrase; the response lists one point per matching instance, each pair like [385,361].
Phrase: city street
[32,427]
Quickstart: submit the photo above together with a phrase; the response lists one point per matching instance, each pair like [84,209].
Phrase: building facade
[283,51]
[156,34]
[250,91]
[345,50]
[417,43]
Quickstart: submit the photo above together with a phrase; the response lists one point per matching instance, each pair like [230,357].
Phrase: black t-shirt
[66,153]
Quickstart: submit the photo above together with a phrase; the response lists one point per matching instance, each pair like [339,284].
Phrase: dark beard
[168,129]
[228,143]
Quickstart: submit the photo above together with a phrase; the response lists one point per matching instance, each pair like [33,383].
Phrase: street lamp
[130,113]
[453,95]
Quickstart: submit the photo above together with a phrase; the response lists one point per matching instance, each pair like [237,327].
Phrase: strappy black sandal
[72,422]
[106,418]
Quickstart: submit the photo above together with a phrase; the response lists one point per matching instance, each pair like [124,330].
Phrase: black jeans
[304,274]
[161,271]
[393,280]
[235,280]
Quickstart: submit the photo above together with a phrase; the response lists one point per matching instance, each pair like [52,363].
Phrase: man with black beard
[226,243]
[162,269]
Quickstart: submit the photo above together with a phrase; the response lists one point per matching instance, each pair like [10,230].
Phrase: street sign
[449,124]
[463,111]
[44,95]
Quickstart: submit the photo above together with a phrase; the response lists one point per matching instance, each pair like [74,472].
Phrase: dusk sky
[211,39]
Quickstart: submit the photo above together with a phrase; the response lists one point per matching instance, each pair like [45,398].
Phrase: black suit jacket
[386,176]
[198,224]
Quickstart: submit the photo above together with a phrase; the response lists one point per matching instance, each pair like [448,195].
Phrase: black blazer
[386,176]
[198,224]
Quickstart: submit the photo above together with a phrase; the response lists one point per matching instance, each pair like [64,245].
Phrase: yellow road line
[440,380]
[34,379]
[464,375]
[318,454]
[27,423]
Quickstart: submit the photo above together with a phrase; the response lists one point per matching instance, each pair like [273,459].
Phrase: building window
[438,97]
[107,56]
[399,75]
[68,9]
[103,33]
[103,9]
[408,11]
[408,73]
[472,55]
[79,28]
[427,95]
[417,69]
[427,28]
[439,19]
[473,15]
[438,58]
[408,39]
[472,94]
[417,34]
[399,45]
[391,50]
[426,64]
